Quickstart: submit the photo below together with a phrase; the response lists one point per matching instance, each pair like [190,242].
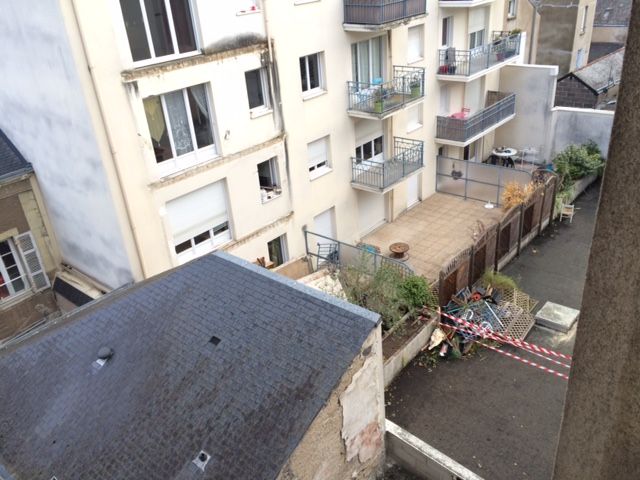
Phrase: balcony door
[367,61]
[371,152]
[477,39]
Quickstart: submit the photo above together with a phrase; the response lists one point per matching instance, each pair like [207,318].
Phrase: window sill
[177,166]
[413,128]
[313,94]
[415,60]
[247,12]
[155,61]
[511,17]
[267,200]
[319,172]
[303,2]
[260,112]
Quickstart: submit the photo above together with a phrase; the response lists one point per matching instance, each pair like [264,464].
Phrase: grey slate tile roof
[168,392]
[612,13]
[602,73]
[12,163]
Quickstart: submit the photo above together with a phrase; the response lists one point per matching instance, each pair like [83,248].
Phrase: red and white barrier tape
[516,357]
[506,338]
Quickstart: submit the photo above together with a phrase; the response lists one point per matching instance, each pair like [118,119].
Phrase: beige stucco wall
[346,439]
[527,20]
[609,34]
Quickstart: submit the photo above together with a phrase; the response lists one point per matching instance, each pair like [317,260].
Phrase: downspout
[274,90]
[109,139]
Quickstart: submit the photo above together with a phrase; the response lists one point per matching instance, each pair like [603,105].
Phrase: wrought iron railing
[407,158]
[500,105]
[379,12]
[470,62]
[381,98]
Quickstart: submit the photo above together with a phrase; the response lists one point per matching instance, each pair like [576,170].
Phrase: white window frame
[355,61]
[5,275]
[165,58]
[312,92]
[420,57]
[413,126]
[264,86]
[583,23]
[320,167]
[265,194]
[359,151]
[477,38]
[196,250]
[512,8]
[197,155]
[447,27]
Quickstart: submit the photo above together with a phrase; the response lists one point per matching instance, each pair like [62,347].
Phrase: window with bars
[158,28]
[311,74]
[180,123]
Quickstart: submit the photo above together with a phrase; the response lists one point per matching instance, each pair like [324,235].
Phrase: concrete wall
[571,92]
[576,126]
[527,20]
[400,359]
[609,34]
[346,439]
[47,116]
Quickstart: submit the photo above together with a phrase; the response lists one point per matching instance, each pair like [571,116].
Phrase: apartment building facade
[167,129]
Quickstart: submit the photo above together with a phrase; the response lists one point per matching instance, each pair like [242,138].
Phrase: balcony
[460,130]
[466,65]
[379,177]
[380,100]
[374,15]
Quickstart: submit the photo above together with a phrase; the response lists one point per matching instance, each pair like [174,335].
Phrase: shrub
[578,161]
[416,293]
[515,193]
[497,280]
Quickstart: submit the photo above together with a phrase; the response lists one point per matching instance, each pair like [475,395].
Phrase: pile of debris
[482,310]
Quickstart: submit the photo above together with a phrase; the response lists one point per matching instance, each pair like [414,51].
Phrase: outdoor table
[505,154]
[399,251]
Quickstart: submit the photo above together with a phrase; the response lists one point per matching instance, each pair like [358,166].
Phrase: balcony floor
[436,229]
[392,104]
[394,170]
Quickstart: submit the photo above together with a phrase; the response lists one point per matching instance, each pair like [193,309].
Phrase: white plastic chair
[567,211]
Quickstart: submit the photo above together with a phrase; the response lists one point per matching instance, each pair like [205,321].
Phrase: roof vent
[201,460]
[104,355]
[215,340]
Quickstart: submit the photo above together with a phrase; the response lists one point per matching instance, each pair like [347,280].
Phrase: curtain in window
[200,115]
[179,122]
[157,128]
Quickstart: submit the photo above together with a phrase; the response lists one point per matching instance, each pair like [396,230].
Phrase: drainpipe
[274,90]
[110,142]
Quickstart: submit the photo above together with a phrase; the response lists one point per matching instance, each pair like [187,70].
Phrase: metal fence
[500,106]
[380,98]
[379,12]
[477,181]
[470,62]
[328,252]
[407,158]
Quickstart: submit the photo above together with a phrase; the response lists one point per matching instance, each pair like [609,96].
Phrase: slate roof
[612,13]
[12,163]
[602,73]
[168,392]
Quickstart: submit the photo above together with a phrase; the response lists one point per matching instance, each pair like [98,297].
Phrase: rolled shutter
[33,262]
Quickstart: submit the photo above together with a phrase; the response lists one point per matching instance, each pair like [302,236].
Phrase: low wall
[421,459]
[581,185]
[394,364]
[575,126]
[294,269]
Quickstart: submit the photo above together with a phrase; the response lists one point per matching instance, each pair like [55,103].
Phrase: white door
[413,190]
[325,224]
[371,211]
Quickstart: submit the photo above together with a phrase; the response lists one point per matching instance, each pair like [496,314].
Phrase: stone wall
[346,439]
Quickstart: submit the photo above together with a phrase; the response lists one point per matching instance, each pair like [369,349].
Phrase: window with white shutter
[318,157]
[415,44]
[199,221]
[33,263]
[414,118]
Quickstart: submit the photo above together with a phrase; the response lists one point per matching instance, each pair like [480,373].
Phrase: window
[268,179]
[447,31]
[318,157]
[180,122]
[12,277]
[257,89]
[199,221]
[311,73]
[278,250]
[20,267]
[476,39]
[414,118]
[512,8]
[469,152]
[583,24]
[367,60]
[415,44]
[371,150]
[248,6]
[579,58]
[158,28]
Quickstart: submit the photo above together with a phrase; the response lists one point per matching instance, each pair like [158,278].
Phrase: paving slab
[557,317]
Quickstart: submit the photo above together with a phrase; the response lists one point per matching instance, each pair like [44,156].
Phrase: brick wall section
[571,92]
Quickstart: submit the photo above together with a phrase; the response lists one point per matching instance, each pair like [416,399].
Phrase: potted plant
[415,87]
[378,100]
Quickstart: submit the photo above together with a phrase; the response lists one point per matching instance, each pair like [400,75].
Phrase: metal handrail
[379,12]
[407,158]
[469,62]
[462,129]
[380,98]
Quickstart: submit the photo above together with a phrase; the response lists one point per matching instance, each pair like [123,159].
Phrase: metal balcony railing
[380,12]
[407,158]
[499,106]
[381,98]
[470,62]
